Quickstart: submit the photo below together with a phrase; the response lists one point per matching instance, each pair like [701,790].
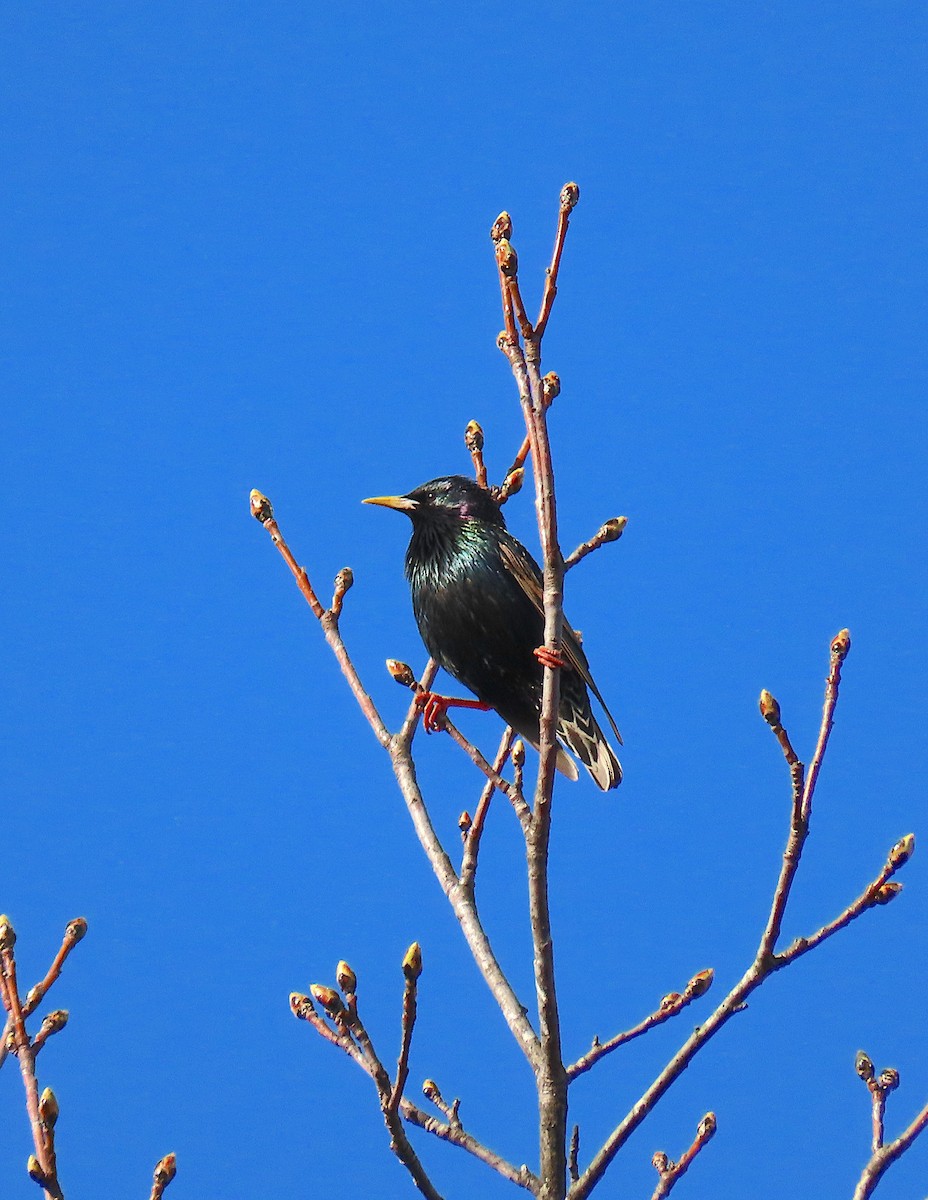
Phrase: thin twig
[475,831]
[573,1155]
[570,194]
[454,1133]
[263,512]
[670,1171]
[473,440]
[412,969]
[670,1006]
[883,1158]
[609,531]
[44,1168]
[766,962]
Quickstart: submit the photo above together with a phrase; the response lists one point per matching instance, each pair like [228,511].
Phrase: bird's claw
[549,658]
[434,709]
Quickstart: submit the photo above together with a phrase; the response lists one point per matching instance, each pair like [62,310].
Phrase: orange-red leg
[549,658]
[434,707]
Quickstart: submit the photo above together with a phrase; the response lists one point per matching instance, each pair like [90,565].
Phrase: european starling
[477,599]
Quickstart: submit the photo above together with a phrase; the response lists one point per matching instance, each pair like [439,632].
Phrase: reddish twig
[570,195]
[328,618]
[670,1171]
[573,1155]
[609,531]
[671,1005]
[412,969]
[474,830]
[473,440]
[42,1166]
[882,1155]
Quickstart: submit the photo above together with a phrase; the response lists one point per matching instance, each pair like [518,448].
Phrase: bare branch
[670,1006]
[766,962]
[883,1155]
[412,969]
[570,195]
[328,619]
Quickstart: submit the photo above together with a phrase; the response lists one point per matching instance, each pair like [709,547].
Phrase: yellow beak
[400,503]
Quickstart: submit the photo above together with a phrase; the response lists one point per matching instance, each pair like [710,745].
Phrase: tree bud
[261,508]
[550,386]
[76,930]
[518,753]
[512,484]
[863,1066]
[612,530]
[301,1006]
[430,1090]
[841,644]
[706,1127]
[699,984]
[570,196]
[401,672]
[902,851]
[328,998]
[660,1162]
[889,891]
[502,227]
[506,257]
[166,1169]
[412,962]
[769,708]
[465,821]
[48,1108]
[888,1079]
[670,1001]
[473,436]
[35,1172]
[54,1022]
[7,933]
[347,980]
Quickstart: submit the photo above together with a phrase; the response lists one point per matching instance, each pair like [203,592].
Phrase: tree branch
[670,1171]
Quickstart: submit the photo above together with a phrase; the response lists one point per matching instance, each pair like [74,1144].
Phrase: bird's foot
[435,708]
[549,658]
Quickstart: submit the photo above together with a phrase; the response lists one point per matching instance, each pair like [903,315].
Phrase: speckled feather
[476,594]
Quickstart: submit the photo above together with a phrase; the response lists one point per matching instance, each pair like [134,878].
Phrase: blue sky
[247,246]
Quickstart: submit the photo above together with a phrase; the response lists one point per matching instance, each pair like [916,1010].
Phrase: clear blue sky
[246,245]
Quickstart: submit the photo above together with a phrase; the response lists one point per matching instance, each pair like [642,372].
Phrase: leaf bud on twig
[841,644]
[261,508]
[401,672]
[671,1000]
[166,1169]
[699,984]
[473,436]
[53,1023]
[7,933]
[550,387]
[889,1079]
[412,962]
[301,1006]
[502,227]
[570,196]
[502,341]
[328,998]
[35,1172]
[506,258]
[512,484]
[902,851]
[430,1090]
[76,930]
[769,708]
[863,1066]
[706,1127]
[660,1162]
[889,891]
[48,1108]
[611,530]
[346,978]
[518,753]
[465,821]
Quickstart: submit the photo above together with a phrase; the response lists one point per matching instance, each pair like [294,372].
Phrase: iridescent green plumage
[476,594]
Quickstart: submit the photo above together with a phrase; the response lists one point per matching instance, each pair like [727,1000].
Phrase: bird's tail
[584,736]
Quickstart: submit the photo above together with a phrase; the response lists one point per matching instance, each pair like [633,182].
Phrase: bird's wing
[523,568]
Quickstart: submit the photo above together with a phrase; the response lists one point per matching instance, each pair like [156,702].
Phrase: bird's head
[450,499]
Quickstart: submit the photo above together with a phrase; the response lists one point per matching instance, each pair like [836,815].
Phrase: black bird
[477,599]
